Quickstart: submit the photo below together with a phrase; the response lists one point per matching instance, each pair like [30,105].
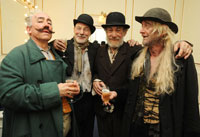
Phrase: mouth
[144,37]
[114,40]
[81,37]
[46,31]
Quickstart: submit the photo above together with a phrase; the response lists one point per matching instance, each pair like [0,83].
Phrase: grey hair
[28,19]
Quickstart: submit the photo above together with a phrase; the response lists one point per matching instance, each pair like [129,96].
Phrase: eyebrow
[44,18]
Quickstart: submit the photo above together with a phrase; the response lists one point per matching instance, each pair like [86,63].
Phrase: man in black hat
[112,70]
[163,91]
[79,55]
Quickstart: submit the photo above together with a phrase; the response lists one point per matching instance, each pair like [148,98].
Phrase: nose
[114,34]
[46,24]
[81,31]
[141,30]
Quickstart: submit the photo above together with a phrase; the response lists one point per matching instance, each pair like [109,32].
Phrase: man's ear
[125,31]
[28,29]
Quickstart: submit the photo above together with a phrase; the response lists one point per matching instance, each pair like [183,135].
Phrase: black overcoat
[179,112]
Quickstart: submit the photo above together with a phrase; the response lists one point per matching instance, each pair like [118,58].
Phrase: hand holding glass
[71,94]
[105,95]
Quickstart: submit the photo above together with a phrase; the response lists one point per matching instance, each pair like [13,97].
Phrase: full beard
[116,45]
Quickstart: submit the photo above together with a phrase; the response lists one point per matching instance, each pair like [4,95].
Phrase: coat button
[41,125]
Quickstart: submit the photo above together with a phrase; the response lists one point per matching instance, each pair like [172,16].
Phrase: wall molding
[1,30]
[133,5]
[182,19]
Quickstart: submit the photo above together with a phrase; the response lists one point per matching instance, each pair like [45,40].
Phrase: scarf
[79,48]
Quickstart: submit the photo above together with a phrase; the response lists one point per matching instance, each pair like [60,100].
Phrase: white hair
[28,19]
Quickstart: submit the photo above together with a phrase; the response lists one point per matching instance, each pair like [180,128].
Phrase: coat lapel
[70,51]
[105,60]
[34,52]
[121,55]
[91,55]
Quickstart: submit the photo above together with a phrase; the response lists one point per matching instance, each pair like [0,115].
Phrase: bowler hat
[158,15]
[115,19]
[85,19]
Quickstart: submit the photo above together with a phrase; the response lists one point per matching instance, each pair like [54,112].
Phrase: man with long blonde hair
[163,91]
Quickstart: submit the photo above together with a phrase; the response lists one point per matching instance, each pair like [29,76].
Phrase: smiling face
[41,28]
[150,36]
[82,33]
[115,36]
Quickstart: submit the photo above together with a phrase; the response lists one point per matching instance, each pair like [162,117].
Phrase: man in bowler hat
[79,55]
[112,70]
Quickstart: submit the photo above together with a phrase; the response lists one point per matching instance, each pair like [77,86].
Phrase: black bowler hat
[85,19]
[115,19]
[158,15]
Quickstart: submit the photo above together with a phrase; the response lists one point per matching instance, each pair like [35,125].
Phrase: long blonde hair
[164,81]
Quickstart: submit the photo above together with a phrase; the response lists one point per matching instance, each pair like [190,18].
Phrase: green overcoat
[29,93]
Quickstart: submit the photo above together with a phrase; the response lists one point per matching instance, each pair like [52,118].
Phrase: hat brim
[92,28]
[116,24]
[171,25]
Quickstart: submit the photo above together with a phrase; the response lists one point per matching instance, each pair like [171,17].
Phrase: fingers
[113,94]
[176,46]
[184,49]
[97,86]
[188,54]
[180,54]
[133,42]
[101,84]
[69,95]
[68,89]
[73,88]
[106,103]
[59,45]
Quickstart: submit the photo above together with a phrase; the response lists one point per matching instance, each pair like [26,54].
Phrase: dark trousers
[84,112]
[109,125]
[139,131]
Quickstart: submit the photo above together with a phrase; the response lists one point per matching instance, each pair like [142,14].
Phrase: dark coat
[69,53]
[179,112]
[84,107]
[115,75]
[29,93]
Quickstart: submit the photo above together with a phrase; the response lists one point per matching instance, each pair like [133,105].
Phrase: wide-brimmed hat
[85,19]
[115,19]
[158,15]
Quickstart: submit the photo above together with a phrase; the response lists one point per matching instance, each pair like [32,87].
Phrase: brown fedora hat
[115,19]
[87,20]
[158,15]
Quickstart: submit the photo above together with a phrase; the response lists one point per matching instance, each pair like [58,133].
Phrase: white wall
[184,13]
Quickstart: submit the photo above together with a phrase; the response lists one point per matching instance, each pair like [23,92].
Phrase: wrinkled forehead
[79,24]
[114,27]
[42,16]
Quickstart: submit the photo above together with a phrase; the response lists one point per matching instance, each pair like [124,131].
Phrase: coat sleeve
[18,95]
[191,111]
